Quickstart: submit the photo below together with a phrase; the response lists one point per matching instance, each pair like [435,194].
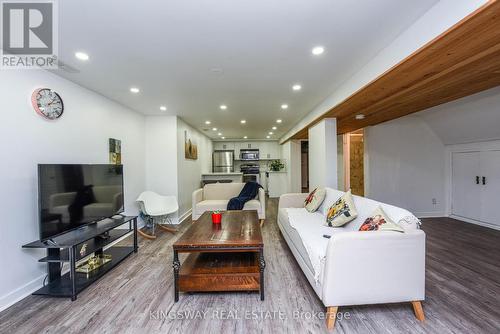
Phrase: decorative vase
[216,218]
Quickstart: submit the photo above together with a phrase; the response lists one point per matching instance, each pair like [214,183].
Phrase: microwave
[249,155]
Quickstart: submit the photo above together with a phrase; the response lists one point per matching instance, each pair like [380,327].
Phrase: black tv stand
[69,247]
[50,242]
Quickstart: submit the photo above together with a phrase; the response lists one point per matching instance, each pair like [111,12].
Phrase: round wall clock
[47,103]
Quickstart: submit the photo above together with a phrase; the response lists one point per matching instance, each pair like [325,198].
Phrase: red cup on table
[216,217]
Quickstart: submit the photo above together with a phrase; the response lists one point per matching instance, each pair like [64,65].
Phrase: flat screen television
[72,196]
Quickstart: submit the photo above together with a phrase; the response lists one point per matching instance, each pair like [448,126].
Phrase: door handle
[484,180]
[477,179]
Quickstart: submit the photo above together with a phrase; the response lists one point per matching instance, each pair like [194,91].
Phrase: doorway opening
[354,156]
[304,165]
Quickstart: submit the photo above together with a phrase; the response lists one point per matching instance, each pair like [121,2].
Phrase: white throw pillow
[314,199]
[332,195]
[380,221]
[342,211]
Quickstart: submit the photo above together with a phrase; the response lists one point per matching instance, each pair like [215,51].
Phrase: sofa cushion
[221,205]
[366,206]
[294,237]
[379,221]
[220,191]
[311,229]
[252,205]
[314,199]
[342,211]
[211,205]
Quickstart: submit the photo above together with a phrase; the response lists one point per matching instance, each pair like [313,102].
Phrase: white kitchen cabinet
[476,185]
[221,145]
[269,150]
[237,148]
[250,145]
[243,145]
[277,184]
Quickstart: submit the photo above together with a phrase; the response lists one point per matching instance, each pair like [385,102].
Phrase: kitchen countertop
[222,173]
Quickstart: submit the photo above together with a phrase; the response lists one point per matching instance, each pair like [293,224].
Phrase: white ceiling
[169,48]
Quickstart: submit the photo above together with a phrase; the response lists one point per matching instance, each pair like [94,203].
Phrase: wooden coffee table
[223,257]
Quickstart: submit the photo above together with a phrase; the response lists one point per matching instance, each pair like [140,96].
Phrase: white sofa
[215,196]
[352,267]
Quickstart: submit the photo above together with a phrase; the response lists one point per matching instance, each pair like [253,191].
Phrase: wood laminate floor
[462,288]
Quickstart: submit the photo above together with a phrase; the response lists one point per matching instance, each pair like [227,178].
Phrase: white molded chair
[156,210]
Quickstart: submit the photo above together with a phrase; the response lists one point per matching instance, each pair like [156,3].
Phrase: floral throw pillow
[342,211]
[379,221]
[314,199]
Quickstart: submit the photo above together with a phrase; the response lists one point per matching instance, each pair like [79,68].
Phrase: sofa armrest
[295,200]
[374,267]
[197,197]
[262,200]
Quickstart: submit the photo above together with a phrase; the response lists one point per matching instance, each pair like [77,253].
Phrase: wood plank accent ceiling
[462,61]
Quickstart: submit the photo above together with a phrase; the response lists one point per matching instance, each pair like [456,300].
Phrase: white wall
[322,159]
[473,118]
[290,153]
[340,163]
[189,171]
[406,166]
[161,148]
[435,21]
[168,172]
[79,136]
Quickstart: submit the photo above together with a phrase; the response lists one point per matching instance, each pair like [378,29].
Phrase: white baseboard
[22,292]
[431,214]
[185,215]
[475,222]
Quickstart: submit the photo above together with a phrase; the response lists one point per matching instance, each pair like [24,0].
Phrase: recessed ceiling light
[163,108]
[82,56]
[296,87]
[223,137]
[360,116]
[207,122]
[223,107]
[214,129]
[274,128]
[270,133]
[243,121]
[268,137]
[317,50]
[284,106]
[279,121]
[135,90]
[219,134]
[245,137]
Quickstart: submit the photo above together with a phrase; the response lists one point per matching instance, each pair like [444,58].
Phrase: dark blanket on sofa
[249,191]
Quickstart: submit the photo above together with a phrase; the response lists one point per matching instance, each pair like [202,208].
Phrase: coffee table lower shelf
[220,272]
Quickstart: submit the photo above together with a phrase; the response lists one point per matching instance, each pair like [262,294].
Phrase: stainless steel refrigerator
[223,162]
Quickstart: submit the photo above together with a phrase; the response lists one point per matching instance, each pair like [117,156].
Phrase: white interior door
[490,197]
[466,193]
